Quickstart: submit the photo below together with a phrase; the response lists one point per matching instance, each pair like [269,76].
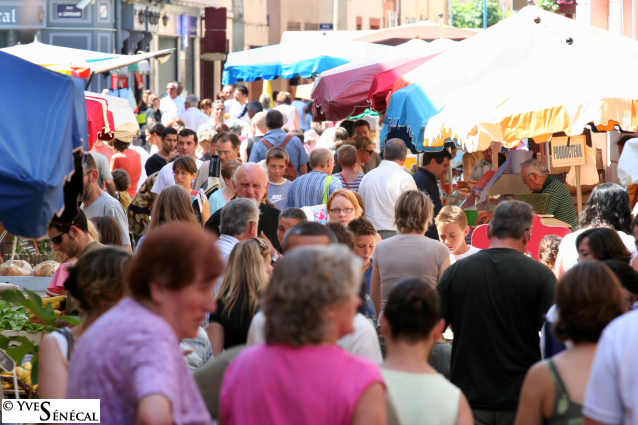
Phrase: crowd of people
[234,274]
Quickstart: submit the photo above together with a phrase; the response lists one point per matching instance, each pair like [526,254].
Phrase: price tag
[6,362]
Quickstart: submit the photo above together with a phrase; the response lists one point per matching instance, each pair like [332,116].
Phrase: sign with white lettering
[326,27]
[17,14]
[8,16]
[69,11]
[568,151]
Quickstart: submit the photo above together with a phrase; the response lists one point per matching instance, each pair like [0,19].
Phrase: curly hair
[97,280]
[608,205]
[308,280]
[549,250]
[588,297]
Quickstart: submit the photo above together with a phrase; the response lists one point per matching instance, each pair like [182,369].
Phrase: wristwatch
[275,257]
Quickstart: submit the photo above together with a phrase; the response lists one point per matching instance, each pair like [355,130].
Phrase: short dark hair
[439,157]
[309,228]
[361,123]
[229,168]
[274,119]
[90,162]
[121,179]
[178,252]
[229,136]
[277,153]
[605,244]
[109,229]
[627,276]
[79,221]
[185,163]
[292,212]
[120,146]
[344,235]
[242,89]
[341,134]
[167,131]
[588,297]
[362,227]
[255,106]
[185,132]
[156,128]
[412,310]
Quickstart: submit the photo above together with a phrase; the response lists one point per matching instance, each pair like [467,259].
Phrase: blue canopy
[44,121]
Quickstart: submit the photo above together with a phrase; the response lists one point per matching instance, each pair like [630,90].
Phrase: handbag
[319,213]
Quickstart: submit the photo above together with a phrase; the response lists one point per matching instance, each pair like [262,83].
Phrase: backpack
[291,171]
[139,210]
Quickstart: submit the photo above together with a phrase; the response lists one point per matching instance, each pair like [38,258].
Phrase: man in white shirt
[187,146]
[381,188]
[482,166]
[612,392]
[237,106]
[193,118]
[172,105]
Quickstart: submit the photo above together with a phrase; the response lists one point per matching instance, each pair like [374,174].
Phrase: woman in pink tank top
[300,376]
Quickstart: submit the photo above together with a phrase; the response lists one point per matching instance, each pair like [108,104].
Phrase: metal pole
[335,16]
[484,14]
[579,192]
[548,155]
[118,27]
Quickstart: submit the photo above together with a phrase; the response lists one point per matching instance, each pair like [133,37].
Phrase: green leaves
[470,14]
[17,352]
[34,304]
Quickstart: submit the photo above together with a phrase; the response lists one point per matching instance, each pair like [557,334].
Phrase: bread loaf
[21,263]
[7,270]
[45,269]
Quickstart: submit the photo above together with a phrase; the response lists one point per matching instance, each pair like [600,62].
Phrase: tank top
[566,411]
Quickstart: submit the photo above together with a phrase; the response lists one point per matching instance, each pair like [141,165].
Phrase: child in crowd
[122,183]
[453,229]
[277,160]
[365,243]
[549,250]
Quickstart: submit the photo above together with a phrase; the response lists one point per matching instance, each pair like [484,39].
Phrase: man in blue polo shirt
[276,137]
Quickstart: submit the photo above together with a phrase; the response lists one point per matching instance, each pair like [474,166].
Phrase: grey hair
[535,166]
[237,214]
[319,157]
[237,127]
[395,150]
[511,219]
[310,279]
[192,100]
[292,212]
[236,178]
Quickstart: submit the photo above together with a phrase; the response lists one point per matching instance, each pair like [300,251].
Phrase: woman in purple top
[300,376]
[130,357]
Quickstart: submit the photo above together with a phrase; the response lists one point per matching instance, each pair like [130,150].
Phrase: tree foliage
[470,13]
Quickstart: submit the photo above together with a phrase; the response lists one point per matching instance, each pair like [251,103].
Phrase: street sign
[104,11]
[326,27]
[69,11]
[568,151]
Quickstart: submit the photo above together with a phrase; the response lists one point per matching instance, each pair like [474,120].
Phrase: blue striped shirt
[309,189]
[353,186]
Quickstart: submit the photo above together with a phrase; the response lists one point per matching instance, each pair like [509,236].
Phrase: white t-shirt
[363,341]
[144,155]
[568,252]
[455,258]
[166,177]
[612,392]
[289,113]
[171,108]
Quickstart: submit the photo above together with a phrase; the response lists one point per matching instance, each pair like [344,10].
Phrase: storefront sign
[568,151]
[326,27]
[69,11]
[16,14]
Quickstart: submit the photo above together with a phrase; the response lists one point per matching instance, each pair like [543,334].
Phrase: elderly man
[251,181]
[496,300]
[186,146]
[97,203]
[193,118]
[536,176]
[277,137]
[315,187]
[482,166]
[381,187]
[172,105]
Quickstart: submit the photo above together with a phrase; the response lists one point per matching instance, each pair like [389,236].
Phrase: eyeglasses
[224,153]
[339,210]
[371,152]
[57,240]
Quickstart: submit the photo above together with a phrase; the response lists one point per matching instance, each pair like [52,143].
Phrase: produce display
[23,268]
[23,373]
[17,318]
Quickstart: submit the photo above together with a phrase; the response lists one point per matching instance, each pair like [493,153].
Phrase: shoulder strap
[325,193]
[344,180]
[560,386]
[265,142]
[66,331]
[288,139]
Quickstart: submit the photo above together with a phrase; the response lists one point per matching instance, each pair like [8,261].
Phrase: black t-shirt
[268,222]
[236,324]
[495,301]
[426,182]
[155,163]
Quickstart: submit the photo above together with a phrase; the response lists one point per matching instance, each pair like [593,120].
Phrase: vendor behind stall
[482,166]
[536,176]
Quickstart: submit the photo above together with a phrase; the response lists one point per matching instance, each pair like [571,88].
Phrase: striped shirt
[309,189]
[353,186]
[562,204]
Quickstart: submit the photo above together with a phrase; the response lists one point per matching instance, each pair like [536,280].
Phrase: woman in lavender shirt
[130,357]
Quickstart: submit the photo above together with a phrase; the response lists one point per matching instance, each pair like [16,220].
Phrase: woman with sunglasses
[365,151]
[248,272]
[350,176]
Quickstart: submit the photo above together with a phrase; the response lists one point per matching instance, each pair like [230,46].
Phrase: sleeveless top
[566,411]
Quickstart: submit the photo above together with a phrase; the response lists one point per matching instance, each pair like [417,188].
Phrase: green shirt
[562,204]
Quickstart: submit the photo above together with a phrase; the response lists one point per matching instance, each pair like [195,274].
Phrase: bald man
[251,181]
[310,189]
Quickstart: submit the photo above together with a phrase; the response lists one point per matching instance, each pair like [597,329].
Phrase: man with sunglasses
[72,239]
[362,129]
[172,105]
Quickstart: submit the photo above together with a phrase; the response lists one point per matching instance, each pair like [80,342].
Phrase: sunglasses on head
[58,239]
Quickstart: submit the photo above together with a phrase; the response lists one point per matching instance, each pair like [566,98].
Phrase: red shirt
[130,161]
[105,150]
